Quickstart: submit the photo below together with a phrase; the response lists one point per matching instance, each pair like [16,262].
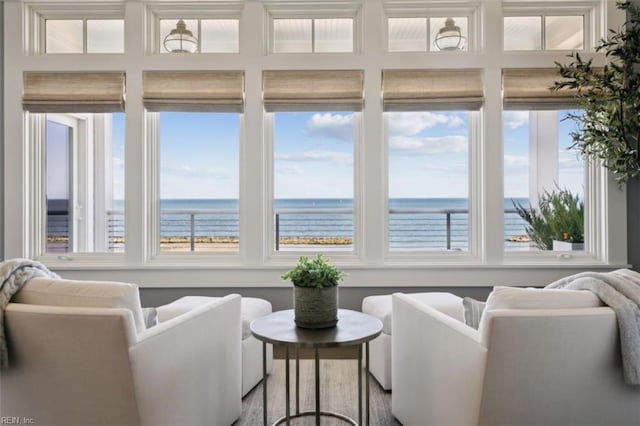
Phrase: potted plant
[315,286]
[557,223]
[609,97]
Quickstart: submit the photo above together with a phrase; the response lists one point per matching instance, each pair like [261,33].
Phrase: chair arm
[187,370]
[438,366]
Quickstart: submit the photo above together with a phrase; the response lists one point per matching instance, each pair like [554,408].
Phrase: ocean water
[414,223]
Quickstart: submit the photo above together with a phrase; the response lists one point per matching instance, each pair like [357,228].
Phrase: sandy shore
[181,244]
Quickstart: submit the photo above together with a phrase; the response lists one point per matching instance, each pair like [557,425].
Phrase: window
[427,149]
[544,32]
[80,151]
[196,136]
[84,183]
[428,138]
[212,35]
[312,35]
[537,158]
[550,26]
[423,34]
[391,184]
[199,171]
[313,180]
[313,157]
[84,36]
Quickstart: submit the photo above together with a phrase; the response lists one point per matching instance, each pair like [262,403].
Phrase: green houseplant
[315,286]
[559,217]
[609,123]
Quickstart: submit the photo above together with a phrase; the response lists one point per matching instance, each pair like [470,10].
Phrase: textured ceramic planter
[315,307]
[567,246]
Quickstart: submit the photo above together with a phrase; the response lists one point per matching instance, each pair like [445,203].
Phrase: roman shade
[73,91]
[331,90]
[194,91]
[530,89]
[420,90]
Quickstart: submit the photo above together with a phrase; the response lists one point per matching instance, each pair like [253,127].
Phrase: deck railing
[410,228]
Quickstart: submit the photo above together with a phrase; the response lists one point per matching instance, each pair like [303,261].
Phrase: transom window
[199,35]
[84,36]
[312,35]
[544,32]
[432,34]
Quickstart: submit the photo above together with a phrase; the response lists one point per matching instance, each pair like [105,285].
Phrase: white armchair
[79,355]
[533,366]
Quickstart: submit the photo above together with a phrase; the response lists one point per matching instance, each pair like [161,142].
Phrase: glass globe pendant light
[180,39]
[449,37]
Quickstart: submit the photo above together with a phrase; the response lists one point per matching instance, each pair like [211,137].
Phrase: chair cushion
[380,306]
[74,293]
[538,298]
[251,308]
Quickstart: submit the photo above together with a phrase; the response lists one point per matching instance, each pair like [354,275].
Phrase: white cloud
[328,125]
[428,145]
[516,161]
[317,156]
[515,119]
[290,170]
[412,123]
[455,121]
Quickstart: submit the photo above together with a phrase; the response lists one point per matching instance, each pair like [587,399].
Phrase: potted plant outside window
[315,287]
[558,222]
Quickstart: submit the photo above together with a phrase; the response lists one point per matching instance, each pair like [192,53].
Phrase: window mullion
[313,35]
[84,36]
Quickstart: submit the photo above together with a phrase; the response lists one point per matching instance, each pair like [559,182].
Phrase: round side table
[353,328]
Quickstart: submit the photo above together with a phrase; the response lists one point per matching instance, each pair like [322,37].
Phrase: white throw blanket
[14,274]
[620,290]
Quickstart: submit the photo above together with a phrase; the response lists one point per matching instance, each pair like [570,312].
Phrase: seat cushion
[540,298]
[74,293]
[380,306]
[251,308]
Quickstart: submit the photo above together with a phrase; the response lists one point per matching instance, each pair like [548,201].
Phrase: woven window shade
[529,89]
[194,91]
[73,91]
[420,90]
[332,90]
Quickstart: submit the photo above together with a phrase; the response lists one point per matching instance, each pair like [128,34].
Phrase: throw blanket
[620,290]
[14,274]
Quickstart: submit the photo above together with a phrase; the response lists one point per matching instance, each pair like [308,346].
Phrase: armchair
[524,366]
[77,356]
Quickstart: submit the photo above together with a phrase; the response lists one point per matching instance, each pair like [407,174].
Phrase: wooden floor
[338,392]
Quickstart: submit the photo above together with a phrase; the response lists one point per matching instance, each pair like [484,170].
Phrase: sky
[428,154]
[199,155]
[516,155]
[313,155]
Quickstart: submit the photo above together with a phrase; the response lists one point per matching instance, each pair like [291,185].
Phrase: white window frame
[312,10]
[38,14]
[255,267]
[595,188]
[196,11]
[591,11]
[155,255]
[89,175]
[417,9]
[285,257]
